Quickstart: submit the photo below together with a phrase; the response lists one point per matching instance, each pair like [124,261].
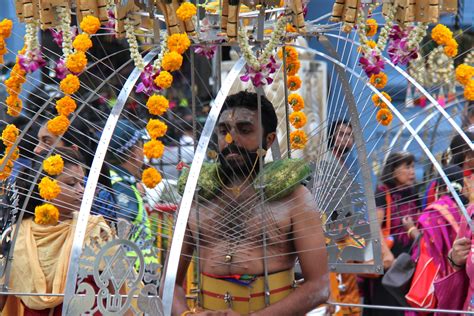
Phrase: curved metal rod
[400,131]
[361,152]
[422,144]
[89,191]
[422,90]
[425,121]
[189,190]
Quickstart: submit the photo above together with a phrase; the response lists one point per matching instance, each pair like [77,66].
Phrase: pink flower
[398,46]
[262,76]
[110,25]
[372,64]
[205,50]
[32,60]
[147,84]
[58,35]
[61,70]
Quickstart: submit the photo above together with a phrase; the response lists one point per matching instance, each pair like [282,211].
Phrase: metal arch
[18,139]
[189,190]
[421,89]
[422,144]
[89,192]
[361,152]
[400,131]
[425,121]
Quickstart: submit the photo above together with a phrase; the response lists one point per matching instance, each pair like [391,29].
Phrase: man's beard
[247,165]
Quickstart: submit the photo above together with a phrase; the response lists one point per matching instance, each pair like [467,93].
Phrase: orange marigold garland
[77,62]
[58,125]
[186,11]
[10,134]
[371,27]
[379,80]
[294,83]
[384,116]
[469,90]
[178,43]
[82,43]
[90,24]
[53,165]
[157,104]
[153,149]
[164,80]
[378,101]
[172,61]
[156,128]
[296,102]
[48,188]
[441,34]
[298,139]
[66,105]
[70,84]
[46,214]
[151,177]
[464,73]
[7,169]
[297,119]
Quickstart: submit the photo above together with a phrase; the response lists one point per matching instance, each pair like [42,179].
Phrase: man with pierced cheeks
[239,235]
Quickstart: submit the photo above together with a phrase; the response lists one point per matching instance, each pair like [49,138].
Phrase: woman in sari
[42,251]
[395,199]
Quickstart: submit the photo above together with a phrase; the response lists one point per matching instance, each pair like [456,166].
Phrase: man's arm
[309,242]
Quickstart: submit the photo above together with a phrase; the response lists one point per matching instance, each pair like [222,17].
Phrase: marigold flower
[48,188]
[290,28]
[293,68]
[3,46]
[178,43]
[70,84]
[76,62]
[451,48]
[384,116]
[291,54]
[7,169]
[15,152]
[46,214]
[9,134]
[464,73]
[53,165]
[58,125]
[153,149]
[469,90]
[186,11]
[441,34]
[14,105]
[298,139]
[378,101]
[6,26]
[151,177]
[297,119]
[156,128]
[66,105]
[82,43]
[371,27]
[90,24]
[172,61]
[296,101]
[164,79]
[157,104]
[294,83]
[379,80]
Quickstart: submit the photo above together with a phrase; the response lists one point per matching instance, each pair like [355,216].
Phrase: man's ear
[270,139]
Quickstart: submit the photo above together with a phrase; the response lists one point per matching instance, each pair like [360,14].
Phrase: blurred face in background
[343,139]
[71,181]
[469,161]
[404,174]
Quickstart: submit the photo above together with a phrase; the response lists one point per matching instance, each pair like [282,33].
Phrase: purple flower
[205,50]
[110,25]
[398,46]
[58,35]
[372,64]
[260,77]
[147,84]
[61,70]
[31,60]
